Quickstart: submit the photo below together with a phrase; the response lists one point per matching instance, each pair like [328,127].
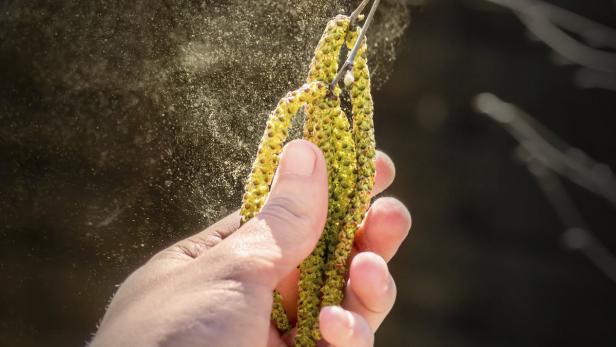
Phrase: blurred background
[124,128]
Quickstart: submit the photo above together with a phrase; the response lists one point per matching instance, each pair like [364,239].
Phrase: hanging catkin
[349,154]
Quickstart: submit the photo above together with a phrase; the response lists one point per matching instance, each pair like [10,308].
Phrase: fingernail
[298,158]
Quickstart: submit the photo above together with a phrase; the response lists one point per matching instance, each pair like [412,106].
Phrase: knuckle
[382,304]
[288,211]
[195,246]
[396,209]
[246,263]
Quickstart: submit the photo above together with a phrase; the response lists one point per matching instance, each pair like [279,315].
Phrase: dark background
[484,264]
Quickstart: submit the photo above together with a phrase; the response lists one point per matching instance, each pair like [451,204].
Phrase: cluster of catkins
[349,153]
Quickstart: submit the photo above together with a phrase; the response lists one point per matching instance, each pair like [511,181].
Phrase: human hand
[215,288]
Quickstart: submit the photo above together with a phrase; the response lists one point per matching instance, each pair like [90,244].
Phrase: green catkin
[272,141]
[344,190]
[279,315]
[338,149]
[318,129]
[363,131]
[265,164]
[350,158]
[363,135]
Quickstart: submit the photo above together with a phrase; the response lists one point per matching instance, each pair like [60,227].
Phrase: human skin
[215,287]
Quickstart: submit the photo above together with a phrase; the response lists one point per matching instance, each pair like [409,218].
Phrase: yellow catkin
[350,158]
[363,130]
[345,171]
[318,128]
[336,142]
[265,164]
[363,135]
[272,141]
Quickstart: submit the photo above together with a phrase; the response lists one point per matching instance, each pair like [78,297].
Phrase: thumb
[288,227]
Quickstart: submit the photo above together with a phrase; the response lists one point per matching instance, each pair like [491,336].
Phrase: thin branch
[539,18]
[589,78]
[577,234]
[543,159]
[569,47]
[358,11]
[553,152]
[593,32]
[348,64]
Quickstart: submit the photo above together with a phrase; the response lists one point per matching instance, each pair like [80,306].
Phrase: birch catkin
[319,129]
[349,154]
[364,151]
[265,164]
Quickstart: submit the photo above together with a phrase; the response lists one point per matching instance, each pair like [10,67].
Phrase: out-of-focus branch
[576,235]
[567,46]
[546,157]
[589,78]
[545,22]
[594,33]
[549,149]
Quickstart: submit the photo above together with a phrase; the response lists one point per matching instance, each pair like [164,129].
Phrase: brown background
[104,159]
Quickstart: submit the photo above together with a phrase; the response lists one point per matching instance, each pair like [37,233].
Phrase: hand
[215,288]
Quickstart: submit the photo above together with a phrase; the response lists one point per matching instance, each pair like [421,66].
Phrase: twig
[358,11]
[543,160]
[349,61]
[576,235]
[589,78]
[593,32]
[538,18]
[553,152]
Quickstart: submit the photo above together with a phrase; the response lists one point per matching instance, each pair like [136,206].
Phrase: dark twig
[358,11]
[348,64]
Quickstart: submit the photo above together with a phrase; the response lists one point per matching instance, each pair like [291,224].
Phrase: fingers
[343,328]
[371,290]
[385,227]
[272,244]
[385,173]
